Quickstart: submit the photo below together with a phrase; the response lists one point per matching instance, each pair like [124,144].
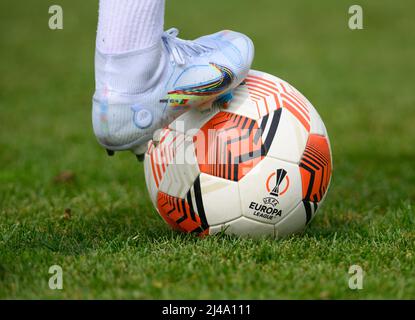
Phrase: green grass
[114,245]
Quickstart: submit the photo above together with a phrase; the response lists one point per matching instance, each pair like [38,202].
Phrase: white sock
[128,25]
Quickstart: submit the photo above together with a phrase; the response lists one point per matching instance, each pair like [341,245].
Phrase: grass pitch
[112,244]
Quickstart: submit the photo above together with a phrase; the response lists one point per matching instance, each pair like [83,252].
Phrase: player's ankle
[131,72]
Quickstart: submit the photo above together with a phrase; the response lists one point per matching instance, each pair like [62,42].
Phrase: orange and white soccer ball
[261,166]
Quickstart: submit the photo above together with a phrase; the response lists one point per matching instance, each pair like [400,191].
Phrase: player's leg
[146,77]
[129,25]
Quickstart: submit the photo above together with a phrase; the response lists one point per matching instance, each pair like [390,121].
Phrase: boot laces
[180,50]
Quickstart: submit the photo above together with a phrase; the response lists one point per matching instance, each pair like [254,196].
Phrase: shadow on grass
[112,231]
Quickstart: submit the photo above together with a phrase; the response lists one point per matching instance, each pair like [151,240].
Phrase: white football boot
[142,91]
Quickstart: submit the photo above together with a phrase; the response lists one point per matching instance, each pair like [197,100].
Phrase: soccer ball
[257,167]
